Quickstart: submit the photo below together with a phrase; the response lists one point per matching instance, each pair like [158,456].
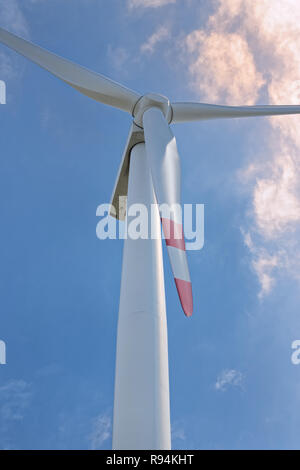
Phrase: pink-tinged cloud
[223,68]
[249,50]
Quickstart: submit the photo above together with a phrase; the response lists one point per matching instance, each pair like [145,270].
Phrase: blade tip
[184,289]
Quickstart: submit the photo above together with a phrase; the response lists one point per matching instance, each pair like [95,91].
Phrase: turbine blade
[89,83]
[185,112]
[119,196]
[164,163]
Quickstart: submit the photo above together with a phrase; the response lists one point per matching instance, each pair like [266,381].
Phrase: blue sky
[232,382]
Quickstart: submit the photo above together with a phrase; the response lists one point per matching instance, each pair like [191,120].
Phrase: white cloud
[229,378]
[149,3]
[101,431]
[158,36]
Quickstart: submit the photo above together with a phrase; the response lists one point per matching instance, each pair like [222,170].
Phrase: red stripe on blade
[184,290]
[173,233]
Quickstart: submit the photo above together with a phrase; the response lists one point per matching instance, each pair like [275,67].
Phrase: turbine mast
[141,403]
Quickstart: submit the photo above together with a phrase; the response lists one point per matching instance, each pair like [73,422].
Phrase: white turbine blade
[87,82]
[185,112]
[164,163]
[119,196]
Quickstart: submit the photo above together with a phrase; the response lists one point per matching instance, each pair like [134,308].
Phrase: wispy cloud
[122,60]
[118,56]
[229,378]
[248,51]
[157,37]
[178,432]
[101,431]
[11,18]
[15,397]
[148,3]
[264,263]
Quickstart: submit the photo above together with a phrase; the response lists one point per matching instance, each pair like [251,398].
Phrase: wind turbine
[149,173]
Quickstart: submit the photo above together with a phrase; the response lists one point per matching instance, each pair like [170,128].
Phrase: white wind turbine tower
[149,173]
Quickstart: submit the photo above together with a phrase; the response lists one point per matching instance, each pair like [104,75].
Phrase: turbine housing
[151,100]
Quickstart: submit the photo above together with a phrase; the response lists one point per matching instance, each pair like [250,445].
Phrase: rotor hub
[151,100]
